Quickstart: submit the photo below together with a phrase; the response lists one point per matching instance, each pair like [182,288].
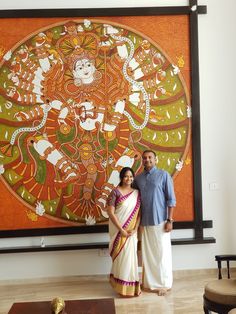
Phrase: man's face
[149,160]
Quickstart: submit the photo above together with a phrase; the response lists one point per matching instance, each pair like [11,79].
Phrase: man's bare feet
[162,292]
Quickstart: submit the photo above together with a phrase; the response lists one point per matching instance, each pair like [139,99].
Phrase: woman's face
[128,178]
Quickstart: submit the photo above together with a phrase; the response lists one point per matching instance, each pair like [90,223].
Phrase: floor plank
[185,297]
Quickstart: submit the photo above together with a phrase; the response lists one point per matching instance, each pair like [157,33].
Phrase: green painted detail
[23,147]
[25,195]
[62,138]
[5,160]
[69,189]
[68,215]
[41,172]
[167,161]
[51,206]
[170,138]
[11,177]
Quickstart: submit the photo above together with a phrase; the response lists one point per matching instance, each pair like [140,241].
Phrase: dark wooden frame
[209,306]
[198,224]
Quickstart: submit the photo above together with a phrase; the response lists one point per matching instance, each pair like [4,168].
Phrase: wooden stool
[220,295]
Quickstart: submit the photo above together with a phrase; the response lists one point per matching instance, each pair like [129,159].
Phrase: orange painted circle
[91,169]
[87,195]
[65,129]
[89,183]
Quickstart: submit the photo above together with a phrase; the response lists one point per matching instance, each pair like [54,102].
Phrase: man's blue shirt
[157,194]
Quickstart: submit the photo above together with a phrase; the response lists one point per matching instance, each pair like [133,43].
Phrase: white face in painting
[84,70]
[15,79]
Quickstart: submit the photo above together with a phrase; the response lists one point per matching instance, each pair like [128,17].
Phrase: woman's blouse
[111,201]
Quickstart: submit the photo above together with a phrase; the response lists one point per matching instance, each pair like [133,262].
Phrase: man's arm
[169,221]
[171,202]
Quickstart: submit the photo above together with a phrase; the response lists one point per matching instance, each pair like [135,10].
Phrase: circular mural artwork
[80,100]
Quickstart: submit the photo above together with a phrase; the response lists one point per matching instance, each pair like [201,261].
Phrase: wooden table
[93,306]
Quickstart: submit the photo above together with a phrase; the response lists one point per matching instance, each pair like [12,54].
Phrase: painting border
[192,10]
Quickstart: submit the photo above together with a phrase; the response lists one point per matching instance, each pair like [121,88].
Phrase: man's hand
[168,226]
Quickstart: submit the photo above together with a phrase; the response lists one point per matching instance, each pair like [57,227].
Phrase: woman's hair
[123,172]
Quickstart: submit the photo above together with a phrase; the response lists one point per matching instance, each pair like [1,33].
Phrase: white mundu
[157,264]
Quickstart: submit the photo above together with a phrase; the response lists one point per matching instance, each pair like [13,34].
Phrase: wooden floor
[185,297]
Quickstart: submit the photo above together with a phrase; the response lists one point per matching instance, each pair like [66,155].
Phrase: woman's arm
[116,222]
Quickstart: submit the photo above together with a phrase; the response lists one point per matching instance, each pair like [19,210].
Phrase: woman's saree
[124,276]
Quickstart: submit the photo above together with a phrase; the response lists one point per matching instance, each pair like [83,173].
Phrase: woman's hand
[125,233]
[133,232]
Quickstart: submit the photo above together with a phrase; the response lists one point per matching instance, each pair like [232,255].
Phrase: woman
[124,213]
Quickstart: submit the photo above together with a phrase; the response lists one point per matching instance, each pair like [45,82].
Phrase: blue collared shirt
[157,194]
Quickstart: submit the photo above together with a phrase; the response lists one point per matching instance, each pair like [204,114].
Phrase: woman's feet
[129,296]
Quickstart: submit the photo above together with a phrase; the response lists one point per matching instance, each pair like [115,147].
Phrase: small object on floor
[58,305]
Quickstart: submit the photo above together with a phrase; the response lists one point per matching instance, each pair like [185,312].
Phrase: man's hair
[149,151]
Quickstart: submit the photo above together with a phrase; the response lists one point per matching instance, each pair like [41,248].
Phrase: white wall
[217,46]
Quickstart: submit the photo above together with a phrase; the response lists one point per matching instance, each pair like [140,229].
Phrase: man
[157,202]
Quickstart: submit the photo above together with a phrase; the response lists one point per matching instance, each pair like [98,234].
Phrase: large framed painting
[82,94]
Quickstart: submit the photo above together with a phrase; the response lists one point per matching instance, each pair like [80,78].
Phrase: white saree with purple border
[124,276]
